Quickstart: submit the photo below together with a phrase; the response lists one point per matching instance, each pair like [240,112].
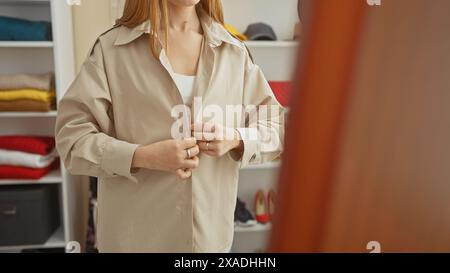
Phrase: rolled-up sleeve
[263,131]
[85,135]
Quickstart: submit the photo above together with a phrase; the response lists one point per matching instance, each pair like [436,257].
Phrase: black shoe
[242,216]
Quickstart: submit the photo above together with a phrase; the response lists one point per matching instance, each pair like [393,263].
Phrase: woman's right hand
[170,156]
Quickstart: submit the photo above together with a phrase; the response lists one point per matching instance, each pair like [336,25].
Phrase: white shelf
[266,166]
[55,241]
[25,2]
[257,228]
[54,177]
[51,114]
[41,57]
[25,44]
[272,44]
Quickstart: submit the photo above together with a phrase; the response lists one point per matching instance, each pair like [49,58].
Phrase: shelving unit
[271,44]
[276,59]
[54,177]
[26,44]
[42,57]
[257,228]
[265,166]
[51,114]
[57,240]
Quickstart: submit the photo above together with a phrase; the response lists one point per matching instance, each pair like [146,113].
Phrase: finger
[183,174]
[205,132]
[205,147]
[188,143]
[191,163]
[194,151]
[202,145]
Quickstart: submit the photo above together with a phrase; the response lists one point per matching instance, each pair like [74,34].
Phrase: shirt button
[253,157]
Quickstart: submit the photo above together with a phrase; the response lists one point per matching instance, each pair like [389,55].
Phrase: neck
[183,18]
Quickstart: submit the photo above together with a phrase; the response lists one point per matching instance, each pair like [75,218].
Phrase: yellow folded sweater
[27,94]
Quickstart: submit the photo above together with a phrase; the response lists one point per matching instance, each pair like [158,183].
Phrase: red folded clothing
[281,90]
[15,172]
[28,144]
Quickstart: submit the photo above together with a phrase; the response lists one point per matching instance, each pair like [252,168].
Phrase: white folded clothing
[16,158]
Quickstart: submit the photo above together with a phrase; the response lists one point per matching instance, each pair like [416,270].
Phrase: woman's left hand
[216,140]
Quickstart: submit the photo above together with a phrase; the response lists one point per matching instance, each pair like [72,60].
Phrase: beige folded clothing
[25,106]
[44,82]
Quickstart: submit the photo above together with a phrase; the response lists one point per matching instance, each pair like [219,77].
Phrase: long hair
[156,11]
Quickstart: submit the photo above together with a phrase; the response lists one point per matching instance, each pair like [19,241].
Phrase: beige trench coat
[123,98]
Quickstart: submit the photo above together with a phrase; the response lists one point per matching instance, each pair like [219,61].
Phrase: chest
[144,91]
[184,52]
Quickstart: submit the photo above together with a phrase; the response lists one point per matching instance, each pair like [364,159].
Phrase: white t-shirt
[186,86]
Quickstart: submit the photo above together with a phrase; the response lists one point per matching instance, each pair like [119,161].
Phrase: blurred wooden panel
[386,177]
[393,178]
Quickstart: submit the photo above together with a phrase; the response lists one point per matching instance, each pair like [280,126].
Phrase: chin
[184,3]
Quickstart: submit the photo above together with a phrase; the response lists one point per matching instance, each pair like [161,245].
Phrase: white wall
[90,19]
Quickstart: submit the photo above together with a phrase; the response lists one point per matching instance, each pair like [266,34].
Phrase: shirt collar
[215,33]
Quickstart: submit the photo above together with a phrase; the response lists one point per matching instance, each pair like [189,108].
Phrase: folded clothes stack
[27,93]
[27,157]
[15,29]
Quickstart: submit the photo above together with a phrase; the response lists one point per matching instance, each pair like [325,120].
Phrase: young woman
[158,193]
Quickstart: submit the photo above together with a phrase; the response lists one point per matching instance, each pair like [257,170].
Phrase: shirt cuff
[118,157]
[250,138]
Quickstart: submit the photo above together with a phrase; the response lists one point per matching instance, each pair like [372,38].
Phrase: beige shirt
[123,98]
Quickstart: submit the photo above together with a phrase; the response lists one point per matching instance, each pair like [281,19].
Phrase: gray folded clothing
[44,82]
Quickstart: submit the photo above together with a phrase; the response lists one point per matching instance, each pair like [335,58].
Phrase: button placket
[182,203]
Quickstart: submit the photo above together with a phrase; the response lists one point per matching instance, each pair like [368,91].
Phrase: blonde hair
[137,12]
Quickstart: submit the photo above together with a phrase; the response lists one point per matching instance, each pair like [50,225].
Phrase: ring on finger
[188,151]
[207,146]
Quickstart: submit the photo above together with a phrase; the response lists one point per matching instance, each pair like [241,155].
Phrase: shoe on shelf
[261,212]
[271,203]
[242,216]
